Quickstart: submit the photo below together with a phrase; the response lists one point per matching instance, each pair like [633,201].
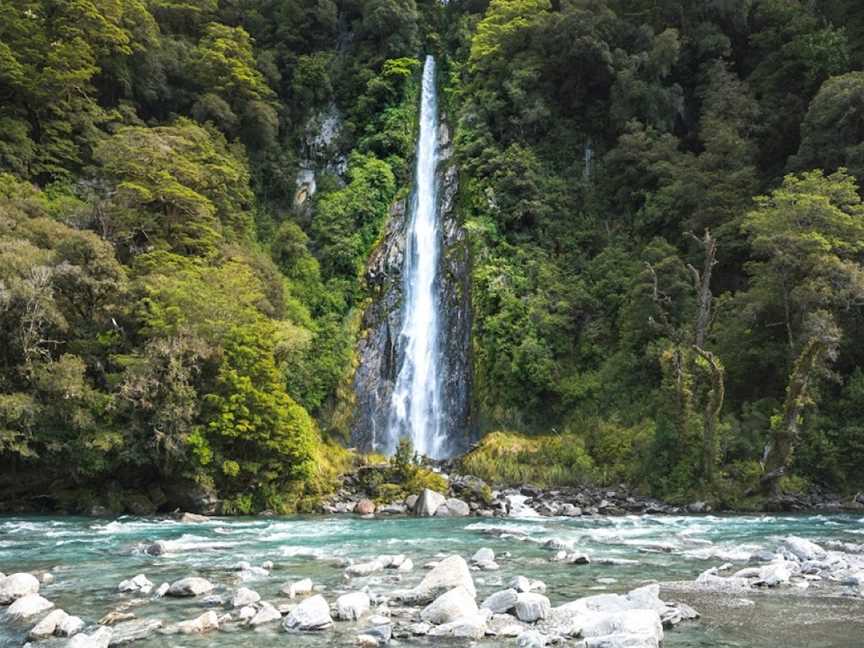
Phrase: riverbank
[755,581]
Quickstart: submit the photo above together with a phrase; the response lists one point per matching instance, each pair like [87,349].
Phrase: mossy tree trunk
[786,426]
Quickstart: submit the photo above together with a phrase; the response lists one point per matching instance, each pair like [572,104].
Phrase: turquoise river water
[89,557]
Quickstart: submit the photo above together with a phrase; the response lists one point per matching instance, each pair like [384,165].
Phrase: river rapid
[89,557]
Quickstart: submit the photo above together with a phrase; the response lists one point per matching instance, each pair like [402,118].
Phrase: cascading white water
[415,408]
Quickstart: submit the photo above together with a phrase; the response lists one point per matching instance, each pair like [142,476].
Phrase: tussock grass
[507,458]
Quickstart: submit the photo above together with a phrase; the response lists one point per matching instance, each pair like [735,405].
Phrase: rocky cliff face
[378,353]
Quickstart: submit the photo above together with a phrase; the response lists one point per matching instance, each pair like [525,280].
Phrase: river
[89,557]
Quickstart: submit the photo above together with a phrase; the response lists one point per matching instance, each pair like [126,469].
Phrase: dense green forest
[662,200]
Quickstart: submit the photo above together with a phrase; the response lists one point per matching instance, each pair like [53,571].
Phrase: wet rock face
[378,352]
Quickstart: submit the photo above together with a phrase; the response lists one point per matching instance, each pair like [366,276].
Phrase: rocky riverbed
[629,581]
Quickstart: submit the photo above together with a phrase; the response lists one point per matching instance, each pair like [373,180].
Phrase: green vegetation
[169,320]
[663,207]
[662,203]
[512,459]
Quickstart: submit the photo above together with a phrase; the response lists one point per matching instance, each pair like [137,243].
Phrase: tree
[180,187]
[820,347]
[807,237]
[832,135]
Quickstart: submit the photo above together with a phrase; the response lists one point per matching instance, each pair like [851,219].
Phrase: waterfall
[416,403]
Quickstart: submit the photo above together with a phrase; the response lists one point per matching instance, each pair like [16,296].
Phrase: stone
[428,503]
[456,508]
[448,607]
[139,583]
[267,613]
[364,507]
[28,606]
[523,584]
[500,602]
[247,613]
[621,640]
[504,625]
[639,622]
[448,574]
[295,589]
[116,616]
[161,591]
[48,625]
[192,518]
[69,627]
[101,638]
[199,625]
[419,629]
[243,597]
[531,639]
[531,607]
[130,631]
[803,549]
[466,627]
[382,632]
[411,501]
[366,641]
[406,566]
[773,574]
[569,510]
[367,568]
[15,586]
[310,615]
[675,613]
[190,586]
[350,607]
[47,578]
[483,555]
[158,548]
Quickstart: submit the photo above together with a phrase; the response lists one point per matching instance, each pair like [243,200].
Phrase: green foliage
[510,459]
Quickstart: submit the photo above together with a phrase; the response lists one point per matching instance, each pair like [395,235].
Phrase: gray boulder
[310,615]
[28,606]
[642,624]
[199,625]
[243,597]
[449,607]
[532,639]
[47,626]
[69,627]
[350,607]
[190,586]
[447,574]
[500,602]
[453,507]
[130,631]
[803,549]
[101,638]
[297,588]
[466,627]
[531,607]
[15,586]
[428,503]
[266,613]
[139,583]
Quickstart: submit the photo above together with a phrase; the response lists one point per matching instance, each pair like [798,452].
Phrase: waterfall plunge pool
[89,557]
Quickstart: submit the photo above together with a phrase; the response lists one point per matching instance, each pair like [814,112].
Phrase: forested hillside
[662,201]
